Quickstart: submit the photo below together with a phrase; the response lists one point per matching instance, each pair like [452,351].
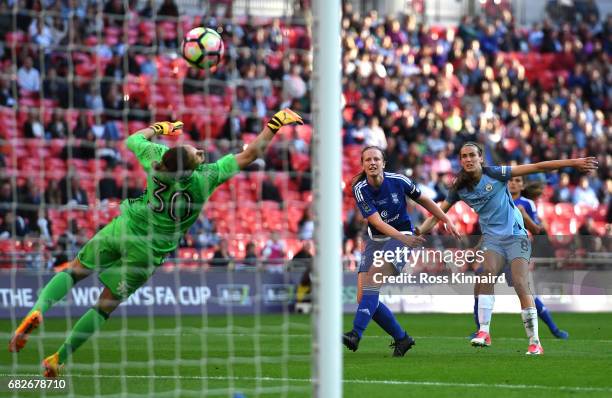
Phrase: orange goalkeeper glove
[283,118]
[168,128]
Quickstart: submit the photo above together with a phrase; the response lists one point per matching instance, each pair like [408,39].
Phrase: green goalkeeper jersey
[169,206]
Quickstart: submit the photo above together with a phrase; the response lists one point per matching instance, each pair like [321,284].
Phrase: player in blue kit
[504,235]
[381,198]
[533,225]
[528,210]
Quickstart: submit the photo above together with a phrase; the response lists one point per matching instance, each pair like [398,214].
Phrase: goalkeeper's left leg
[54,291]
[86,326]
[57,288]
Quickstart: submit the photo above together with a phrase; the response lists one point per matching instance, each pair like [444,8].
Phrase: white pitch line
[171,332]
[346,381]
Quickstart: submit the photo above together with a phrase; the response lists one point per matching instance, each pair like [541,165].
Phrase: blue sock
[385,319]
[476,312]
[545,315]
[367,308]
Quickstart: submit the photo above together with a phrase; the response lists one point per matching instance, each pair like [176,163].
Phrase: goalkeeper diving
[127,251]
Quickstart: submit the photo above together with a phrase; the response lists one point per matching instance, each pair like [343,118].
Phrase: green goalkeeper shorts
[121,256]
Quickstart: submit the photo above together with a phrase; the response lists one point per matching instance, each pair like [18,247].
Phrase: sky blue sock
[545,315]
[385,319]
[476,312]
[367,307]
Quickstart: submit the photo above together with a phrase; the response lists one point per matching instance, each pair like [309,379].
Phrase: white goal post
[327,169]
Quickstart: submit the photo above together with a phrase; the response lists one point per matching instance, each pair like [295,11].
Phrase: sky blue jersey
[530,208]
[389,200]
[491,199]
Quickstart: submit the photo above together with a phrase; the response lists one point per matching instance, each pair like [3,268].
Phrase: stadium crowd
[79,77]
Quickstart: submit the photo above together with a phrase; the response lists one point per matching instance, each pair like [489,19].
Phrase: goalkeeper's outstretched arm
[257,148]
[147,133]
[160,128]
[147,151]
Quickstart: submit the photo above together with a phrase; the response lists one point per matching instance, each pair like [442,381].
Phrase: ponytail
[359,177]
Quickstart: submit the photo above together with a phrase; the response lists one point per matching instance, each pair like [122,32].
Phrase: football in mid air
[202,48]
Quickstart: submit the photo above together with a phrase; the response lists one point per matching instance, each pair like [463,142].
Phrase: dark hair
[176,160]
[533,190]
[464,180]
[362,175]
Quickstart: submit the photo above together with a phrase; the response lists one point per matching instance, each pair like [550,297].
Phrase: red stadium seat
[510,144]
[112,31]
[294,217]
[564,210]
[300,161]
[15,40]
[583,211]
[85,70]
[188,22]
[189,257]
[304,132]
[562,232]
[26,102]
[461,208]
[133,35]
[348,113]
[269,205]
[247,138]
[237,248]
[168,30]
[601,213]
[111,41]
[135,125]
[546,210]
[469,217]
[600,227]
[8,245]
[91,41]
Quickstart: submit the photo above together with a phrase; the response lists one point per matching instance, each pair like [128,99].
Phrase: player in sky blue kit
[533,225]
[381,198]
[504,235]
[528,210]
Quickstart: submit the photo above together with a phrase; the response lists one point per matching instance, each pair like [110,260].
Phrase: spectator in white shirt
[28,77]
[93,99]
[375,135]
[584,194]
[563,193]
[293,85]
[33,127]
[41,33]
[434,142]
[441,164]
[306,225]
[274,252]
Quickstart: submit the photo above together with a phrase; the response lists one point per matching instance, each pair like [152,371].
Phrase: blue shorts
[375,250]
[509,247]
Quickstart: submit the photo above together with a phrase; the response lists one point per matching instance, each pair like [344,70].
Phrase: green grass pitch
[269,356]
